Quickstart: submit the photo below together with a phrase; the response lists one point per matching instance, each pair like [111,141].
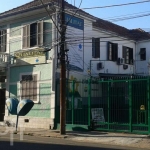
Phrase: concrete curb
[122,139]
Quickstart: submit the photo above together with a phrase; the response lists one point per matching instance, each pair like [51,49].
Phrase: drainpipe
[134,68]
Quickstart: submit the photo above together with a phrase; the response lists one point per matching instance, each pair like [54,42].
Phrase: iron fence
[116,104]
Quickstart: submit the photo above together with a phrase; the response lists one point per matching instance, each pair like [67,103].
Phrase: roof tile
[135,34]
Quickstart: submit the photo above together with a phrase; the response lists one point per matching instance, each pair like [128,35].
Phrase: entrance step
[2,123]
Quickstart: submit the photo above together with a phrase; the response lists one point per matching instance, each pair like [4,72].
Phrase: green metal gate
[116,104]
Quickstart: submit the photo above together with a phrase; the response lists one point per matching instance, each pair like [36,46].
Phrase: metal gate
[116,104]
[2,104]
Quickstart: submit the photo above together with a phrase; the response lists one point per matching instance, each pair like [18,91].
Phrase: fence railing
[116,104]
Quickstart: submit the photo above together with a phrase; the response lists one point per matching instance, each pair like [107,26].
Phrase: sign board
[76,48]
[36,56]
[74,22]
[98,115]
[75,44]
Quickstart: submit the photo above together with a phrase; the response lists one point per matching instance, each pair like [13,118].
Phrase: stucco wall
[43,107]
[142,67]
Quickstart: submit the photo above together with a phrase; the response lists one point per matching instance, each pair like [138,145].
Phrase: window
[128,55]
[142,53]
[3,36]
[29,87]
[96,47]
[112,51]
[33,35]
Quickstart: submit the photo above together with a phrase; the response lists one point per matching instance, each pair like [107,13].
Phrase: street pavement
[44,143]
[93,137]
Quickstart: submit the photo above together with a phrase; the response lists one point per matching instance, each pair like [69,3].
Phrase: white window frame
[5,28]
[23,25]
[38,84]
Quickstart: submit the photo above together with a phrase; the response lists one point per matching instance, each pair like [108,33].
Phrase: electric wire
[50,17]
[115,5]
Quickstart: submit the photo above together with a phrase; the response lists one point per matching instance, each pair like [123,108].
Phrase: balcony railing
[2,85]
[4,58]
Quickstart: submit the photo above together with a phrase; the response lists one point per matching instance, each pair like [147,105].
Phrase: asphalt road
[42,143]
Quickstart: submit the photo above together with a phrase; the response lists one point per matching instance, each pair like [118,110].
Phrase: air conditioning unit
[100,66]
[125,66]
[120,61]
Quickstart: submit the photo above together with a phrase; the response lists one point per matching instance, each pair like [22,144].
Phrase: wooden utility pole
[62,72]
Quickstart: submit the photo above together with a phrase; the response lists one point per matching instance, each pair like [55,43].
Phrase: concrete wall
[142,67]
[42,113]
[110,67]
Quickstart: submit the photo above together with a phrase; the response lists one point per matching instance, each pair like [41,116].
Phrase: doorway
[2,104]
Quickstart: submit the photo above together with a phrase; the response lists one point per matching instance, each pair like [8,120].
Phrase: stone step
[2,123]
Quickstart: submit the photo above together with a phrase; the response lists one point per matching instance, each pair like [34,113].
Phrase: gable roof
[35,4]
[135,34]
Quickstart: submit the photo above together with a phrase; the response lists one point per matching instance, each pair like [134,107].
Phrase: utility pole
[62,72]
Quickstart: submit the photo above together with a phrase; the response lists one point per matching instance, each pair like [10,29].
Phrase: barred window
[29,87]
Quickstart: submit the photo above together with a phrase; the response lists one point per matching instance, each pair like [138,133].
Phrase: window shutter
[40,33]
[97,48]
[124,52]
[114,51]
[93,47]
[2,40]
[26,36]
[34,87]
[108,51]
[131,55]
[5,40]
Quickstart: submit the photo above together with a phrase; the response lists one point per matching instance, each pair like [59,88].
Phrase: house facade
[30,41]
[143,58]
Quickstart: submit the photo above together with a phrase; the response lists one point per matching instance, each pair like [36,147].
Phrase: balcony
[3,59]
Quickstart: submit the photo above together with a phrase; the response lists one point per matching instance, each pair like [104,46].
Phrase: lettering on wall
[36,56]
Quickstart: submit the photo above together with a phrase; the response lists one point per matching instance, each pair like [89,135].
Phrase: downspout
[135,61]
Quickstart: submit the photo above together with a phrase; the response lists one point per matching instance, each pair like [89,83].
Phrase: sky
[104,13]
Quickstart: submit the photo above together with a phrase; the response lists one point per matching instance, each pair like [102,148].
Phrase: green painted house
[29,46]
[28,31]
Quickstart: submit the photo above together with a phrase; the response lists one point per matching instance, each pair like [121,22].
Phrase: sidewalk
[122,139]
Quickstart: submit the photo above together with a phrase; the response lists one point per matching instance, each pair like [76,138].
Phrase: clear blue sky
[104,13]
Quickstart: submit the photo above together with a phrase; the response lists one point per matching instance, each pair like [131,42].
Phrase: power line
[50,16]
[113,17]
[116,5]
[127,18]
[74,13]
